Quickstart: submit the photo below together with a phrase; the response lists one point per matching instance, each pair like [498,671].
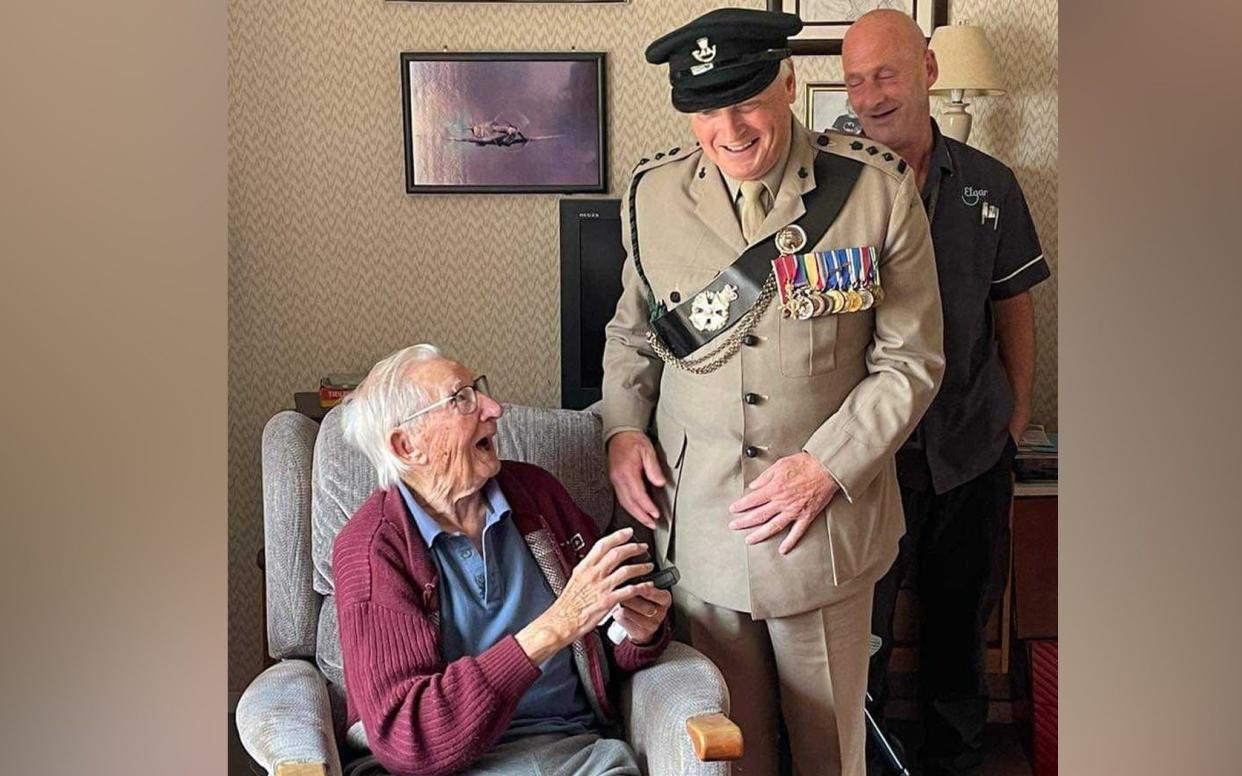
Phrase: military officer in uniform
[956,469]
[779,329]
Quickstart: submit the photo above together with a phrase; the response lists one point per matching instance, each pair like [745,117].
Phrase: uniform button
[750,340]
[752,398]
[674,297]
[751,451]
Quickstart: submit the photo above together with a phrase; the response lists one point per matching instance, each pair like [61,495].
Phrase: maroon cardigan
[422,716]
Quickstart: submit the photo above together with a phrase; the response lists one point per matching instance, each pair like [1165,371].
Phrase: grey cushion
[343,479]
[292,604]
[328,658]
[566,443]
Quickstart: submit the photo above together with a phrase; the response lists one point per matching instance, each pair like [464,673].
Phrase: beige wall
[332,265]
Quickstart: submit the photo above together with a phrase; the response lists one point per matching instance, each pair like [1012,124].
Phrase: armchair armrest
[714,737]
[301,769]
[285,723]
[675,716]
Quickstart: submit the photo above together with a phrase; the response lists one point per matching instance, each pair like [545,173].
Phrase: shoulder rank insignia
[664,157]
[862,149]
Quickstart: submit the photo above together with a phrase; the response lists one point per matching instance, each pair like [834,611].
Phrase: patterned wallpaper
[332,265]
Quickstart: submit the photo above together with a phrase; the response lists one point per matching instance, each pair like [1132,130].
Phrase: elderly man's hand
[793,491]
[641,615]
[597,585]
[631,458]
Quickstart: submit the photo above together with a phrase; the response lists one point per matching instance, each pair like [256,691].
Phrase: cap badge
[704,55]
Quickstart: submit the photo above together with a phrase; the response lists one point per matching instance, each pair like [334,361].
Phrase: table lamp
[967,69]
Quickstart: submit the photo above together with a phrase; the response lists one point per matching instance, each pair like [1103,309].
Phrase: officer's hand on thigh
[792,492]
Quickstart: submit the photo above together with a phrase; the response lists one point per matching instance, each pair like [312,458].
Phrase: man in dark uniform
[956,469]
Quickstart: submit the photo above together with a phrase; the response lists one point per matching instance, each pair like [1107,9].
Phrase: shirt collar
[939,164]
[771,181]
[940,156]
[497,509]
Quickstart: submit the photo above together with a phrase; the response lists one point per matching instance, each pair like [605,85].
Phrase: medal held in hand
[845,280]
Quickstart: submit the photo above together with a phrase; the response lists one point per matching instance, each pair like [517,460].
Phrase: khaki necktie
[753,211]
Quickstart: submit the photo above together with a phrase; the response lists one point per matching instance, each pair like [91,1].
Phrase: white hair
[379,404]
[786,68]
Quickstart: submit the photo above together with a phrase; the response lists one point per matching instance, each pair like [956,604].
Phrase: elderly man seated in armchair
[470,590]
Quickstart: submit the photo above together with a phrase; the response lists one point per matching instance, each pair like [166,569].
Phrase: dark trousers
[958,542]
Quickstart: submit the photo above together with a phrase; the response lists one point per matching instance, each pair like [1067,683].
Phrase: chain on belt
[710,362]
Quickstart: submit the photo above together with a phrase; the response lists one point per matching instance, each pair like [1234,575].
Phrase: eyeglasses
[465,399]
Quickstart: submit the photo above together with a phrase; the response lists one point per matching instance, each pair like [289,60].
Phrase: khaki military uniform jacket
[847,388]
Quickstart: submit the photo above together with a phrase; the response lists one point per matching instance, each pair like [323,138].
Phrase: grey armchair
[291,718]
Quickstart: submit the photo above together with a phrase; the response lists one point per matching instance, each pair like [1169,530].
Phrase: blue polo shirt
[484,597]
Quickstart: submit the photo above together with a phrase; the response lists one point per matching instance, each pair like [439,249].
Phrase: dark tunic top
[986,249]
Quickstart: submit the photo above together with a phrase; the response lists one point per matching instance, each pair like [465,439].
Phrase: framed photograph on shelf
[828,107]
[504,122]
[825,21]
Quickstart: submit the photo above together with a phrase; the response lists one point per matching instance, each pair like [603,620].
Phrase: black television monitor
[591,258]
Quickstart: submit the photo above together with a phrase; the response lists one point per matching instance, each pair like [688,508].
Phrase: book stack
[1037,456]
[334,388]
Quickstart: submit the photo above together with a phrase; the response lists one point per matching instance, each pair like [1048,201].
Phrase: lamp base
[955,121]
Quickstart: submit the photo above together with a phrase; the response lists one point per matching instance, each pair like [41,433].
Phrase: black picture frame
[592,254]
[824,37]
[467,122]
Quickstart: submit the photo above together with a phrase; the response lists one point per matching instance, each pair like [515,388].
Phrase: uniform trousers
[553,754]
[958,542]
[810,668]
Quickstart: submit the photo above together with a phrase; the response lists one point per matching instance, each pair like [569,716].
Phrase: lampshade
[966,61]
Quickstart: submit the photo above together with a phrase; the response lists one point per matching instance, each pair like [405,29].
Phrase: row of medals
[803,303]
[806,303]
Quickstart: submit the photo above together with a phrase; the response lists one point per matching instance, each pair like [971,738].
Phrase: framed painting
[825,21]
[828,107]
[504,122]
